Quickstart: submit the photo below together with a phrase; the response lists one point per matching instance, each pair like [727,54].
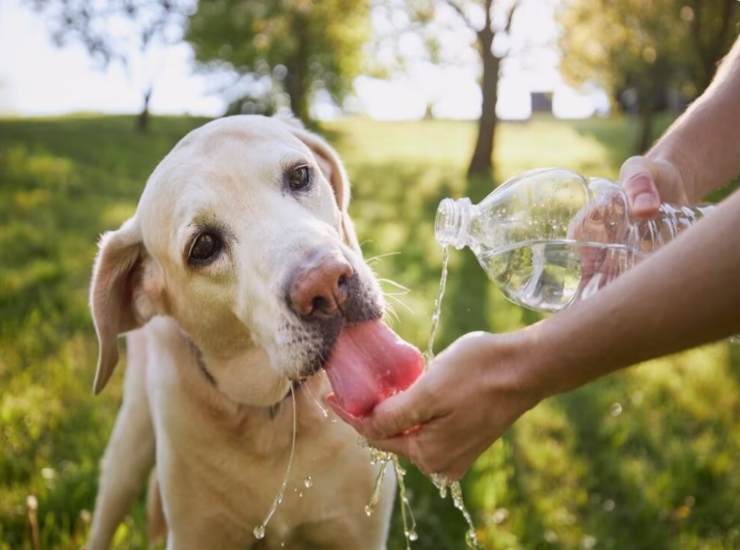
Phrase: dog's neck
[246,378]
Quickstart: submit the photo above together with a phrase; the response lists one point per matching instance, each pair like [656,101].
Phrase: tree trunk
[142,121]
[710,52]
[296,80]
[297,88]
[481,163]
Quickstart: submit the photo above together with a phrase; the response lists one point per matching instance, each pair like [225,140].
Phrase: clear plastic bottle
[551,237]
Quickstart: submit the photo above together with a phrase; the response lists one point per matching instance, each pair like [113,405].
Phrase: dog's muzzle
[325,293]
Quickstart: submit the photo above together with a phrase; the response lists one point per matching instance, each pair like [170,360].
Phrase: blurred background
[423,99]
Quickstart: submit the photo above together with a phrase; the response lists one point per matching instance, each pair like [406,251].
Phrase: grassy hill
[646,458]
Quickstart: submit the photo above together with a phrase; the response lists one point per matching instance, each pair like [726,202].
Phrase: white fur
[221,448]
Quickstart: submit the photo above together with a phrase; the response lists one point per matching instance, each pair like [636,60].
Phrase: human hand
[648,182]
[468,397]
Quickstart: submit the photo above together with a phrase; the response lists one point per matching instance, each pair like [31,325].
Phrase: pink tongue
[369,363]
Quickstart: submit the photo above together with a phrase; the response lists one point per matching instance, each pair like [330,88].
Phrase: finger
[401,412]
[639,185]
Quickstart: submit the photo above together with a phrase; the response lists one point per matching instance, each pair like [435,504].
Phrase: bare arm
[698,153]
[686,294]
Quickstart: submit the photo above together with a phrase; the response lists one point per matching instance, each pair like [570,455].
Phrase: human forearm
[704,143]
[686,294]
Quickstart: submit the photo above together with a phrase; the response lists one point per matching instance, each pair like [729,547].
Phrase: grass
[646,458]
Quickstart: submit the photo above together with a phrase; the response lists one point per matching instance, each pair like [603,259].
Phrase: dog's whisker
[392,312]
[381,256]
[395,293]
[394,284]
[401,303]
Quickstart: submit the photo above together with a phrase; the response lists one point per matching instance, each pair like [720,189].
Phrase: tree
[488,23]
[486,33]
[649,47]
[113,31]
[304,46]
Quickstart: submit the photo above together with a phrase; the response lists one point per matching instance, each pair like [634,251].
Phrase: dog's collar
[203,368]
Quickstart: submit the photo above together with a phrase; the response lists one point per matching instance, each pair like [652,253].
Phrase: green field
[644,459]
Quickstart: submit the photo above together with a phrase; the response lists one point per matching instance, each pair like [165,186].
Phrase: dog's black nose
[319,289]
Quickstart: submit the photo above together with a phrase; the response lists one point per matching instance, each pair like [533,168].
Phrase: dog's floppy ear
[118,300]
[330,164]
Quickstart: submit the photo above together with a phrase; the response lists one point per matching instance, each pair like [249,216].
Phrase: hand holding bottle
[684,295]
[648,182]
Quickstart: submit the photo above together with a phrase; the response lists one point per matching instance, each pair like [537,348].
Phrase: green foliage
[647,44]
[317,43]
[657,471]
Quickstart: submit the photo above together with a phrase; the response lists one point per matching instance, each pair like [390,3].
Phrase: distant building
[541,102]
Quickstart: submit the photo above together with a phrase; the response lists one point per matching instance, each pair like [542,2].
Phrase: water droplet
[411,535]
[588,542]
[500,516]
[616,409]
[471,539]
[282,544]
[368,510]
[259,532]
[300,494]
[85,516]
[308,482]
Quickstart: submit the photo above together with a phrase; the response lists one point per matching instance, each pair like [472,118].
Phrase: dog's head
[242,236]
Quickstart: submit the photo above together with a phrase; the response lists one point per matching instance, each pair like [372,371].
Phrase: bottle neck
[452,222]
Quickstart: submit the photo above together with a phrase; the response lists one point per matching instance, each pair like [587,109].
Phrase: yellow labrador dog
[234,278]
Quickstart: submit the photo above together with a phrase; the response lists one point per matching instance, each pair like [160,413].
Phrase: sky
[39,78]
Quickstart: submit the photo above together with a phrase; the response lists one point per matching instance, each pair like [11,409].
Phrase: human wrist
[513,367]
[673,162]
[670,165]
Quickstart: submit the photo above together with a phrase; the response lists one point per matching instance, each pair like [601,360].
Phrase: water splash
[471,538]
[441,482]
[437,310]
[407,514]
[259,530]
[322,409]
[382,459]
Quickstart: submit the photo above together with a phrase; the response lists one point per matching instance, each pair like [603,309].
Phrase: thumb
[401,412]
[638,182]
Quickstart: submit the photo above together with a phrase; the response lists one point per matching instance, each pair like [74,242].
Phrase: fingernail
[645,201]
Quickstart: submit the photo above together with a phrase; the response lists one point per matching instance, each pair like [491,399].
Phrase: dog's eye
[299,178]
[205,248]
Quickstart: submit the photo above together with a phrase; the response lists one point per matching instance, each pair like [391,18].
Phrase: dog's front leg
[130,453]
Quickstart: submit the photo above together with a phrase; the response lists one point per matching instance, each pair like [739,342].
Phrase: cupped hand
[470,394]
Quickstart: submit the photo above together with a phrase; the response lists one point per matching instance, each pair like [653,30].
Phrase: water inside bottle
[548,275]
